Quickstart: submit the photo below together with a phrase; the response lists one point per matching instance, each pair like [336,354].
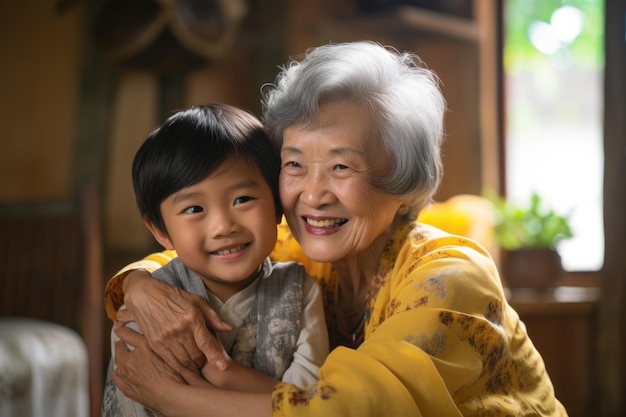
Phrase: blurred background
[535,90]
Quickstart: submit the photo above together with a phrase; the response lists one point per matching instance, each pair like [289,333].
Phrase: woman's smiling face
[326,187]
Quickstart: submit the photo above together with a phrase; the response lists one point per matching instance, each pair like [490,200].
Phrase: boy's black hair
[193,143]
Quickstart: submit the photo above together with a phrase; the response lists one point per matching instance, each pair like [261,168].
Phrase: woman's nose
[316,190]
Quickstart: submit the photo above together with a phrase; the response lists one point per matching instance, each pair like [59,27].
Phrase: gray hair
[397,88]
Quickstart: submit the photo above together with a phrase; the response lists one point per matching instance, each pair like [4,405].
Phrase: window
[553,83]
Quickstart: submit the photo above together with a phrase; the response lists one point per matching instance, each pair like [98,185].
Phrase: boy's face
[222,227]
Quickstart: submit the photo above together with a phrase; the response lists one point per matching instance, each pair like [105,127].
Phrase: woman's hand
[174,323]
[142,376]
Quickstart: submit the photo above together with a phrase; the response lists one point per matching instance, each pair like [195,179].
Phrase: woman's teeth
[325,222]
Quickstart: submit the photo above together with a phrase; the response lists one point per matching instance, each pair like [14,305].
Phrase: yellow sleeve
[114,294]
[385,376]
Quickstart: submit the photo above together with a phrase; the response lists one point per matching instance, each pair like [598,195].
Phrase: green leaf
[531,226]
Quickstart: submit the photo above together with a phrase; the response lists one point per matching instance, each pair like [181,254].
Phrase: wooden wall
[69,113]
[39,86]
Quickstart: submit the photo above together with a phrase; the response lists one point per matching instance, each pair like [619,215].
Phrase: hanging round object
[167,36]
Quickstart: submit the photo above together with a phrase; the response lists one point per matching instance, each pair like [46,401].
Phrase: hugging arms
[417,320]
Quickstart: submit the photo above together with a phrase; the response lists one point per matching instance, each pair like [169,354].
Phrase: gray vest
[267,339]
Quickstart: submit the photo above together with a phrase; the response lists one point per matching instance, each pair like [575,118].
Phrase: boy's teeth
[232,250]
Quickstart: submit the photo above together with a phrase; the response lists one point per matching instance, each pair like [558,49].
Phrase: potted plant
[528,237]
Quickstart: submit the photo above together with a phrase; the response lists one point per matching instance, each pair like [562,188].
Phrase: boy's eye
[193,209]
[241,200]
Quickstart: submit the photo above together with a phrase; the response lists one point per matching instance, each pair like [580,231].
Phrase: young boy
[206,184]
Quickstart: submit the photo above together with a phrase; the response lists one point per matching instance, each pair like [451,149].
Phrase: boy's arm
[312,345]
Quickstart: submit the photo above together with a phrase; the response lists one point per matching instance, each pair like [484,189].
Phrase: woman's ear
[160,236]
[403,209]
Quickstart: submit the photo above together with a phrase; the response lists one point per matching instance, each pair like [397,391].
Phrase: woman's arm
[238,377]
[174,322]
[141,375]
[114,291]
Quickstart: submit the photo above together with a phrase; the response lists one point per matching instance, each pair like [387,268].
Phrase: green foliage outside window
[585,50]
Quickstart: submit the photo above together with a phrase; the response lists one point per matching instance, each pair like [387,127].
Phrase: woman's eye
[292,164]
[241,200]
[193,209]
[341,166]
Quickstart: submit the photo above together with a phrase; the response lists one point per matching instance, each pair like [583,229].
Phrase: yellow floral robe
[440,339]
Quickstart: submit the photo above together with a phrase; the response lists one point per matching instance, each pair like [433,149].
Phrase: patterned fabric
[110,403]
[116,404]
[278,319]
[440,340]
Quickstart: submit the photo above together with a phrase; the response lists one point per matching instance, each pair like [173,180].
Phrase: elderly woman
[417,318]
